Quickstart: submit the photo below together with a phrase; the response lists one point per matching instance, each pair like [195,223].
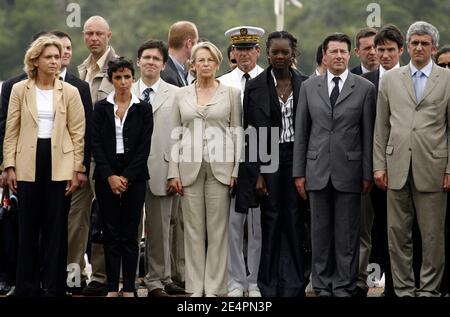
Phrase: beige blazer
[67,139]
[158,161]
[409,131]
[101,86]
[209,127]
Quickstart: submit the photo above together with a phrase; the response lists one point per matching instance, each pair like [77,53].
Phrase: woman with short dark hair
[122,131]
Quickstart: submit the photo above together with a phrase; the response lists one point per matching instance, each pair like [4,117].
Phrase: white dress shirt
[330,76]
[44,102]
[120,148]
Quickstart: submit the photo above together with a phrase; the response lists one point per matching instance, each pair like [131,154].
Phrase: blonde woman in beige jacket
[203,168]
[43,154]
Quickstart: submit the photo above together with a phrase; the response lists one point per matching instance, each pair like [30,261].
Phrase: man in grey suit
[411,151]
[333,161]
[152,58]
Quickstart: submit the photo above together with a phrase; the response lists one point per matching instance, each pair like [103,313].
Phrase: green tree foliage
[135,21]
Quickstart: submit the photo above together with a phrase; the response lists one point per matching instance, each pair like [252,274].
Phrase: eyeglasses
[444,65]
[423,43]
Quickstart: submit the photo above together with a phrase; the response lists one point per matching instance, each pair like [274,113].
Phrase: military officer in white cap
[245,42]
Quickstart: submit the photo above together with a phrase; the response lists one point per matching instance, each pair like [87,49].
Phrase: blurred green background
[135,21]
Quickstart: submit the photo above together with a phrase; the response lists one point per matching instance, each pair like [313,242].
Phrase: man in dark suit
[365,50]
[333,161]
[183,35]
[373,242]
[9,225]
[78,222]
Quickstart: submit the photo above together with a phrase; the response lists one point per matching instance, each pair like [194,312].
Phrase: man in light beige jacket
[411,151]
[152,58]
[93,70]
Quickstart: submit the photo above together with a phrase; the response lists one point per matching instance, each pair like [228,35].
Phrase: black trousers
[281,269]
[335,227]
[9,237]
[120,216]
[43,213]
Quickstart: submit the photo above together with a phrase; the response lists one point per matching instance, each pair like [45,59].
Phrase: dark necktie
[335,92]
[247,77]
[146,94]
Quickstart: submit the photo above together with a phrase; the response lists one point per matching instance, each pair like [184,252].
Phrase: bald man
[93,70]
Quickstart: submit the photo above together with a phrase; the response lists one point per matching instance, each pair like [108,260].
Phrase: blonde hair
[215,52]
[35,50]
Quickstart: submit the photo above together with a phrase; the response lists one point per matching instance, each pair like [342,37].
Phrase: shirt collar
[343,76]
[179,66]
[275,79]
[111,96]
[364,70]
[142,86]
[63,74]
[253,73]
[383,70]
[426,69]
[101,61]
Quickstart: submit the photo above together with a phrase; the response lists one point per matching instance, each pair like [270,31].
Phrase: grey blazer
[338,147]
[409,131]
[158,161]
[210,126]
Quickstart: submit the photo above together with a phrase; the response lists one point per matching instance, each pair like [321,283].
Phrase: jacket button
[409,149]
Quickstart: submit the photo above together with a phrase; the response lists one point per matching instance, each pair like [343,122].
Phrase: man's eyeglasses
[444,65]
[423,43]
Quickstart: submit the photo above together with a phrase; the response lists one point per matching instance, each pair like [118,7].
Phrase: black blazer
[356,70]
[373,77]
[261,109]
[170,74]
[137,134]
[5,94]
[85,93]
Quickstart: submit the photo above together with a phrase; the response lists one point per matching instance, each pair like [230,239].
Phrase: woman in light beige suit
[203,168]
[43,154]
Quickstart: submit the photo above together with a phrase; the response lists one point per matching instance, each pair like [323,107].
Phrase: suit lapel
[322,88]
[58,97]
[431,83]
[407,82]
[30,99]
[221,90]
[110,113]
[347,89]
[161,95]
[191,97]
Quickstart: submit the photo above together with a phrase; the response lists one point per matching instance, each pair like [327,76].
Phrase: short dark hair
[337,37]
[389,32]
[38,35]
[117,64]
[283,35]
[366,32]
[443,50]
[160,45]
[319,55]
[61,34]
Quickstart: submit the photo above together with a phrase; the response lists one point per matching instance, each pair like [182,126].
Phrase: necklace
[282,94]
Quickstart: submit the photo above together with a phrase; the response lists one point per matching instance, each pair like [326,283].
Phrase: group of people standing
[256,146]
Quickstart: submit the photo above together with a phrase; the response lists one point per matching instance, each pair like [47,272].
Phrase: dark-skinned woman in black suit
[270,101]
[122,131]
